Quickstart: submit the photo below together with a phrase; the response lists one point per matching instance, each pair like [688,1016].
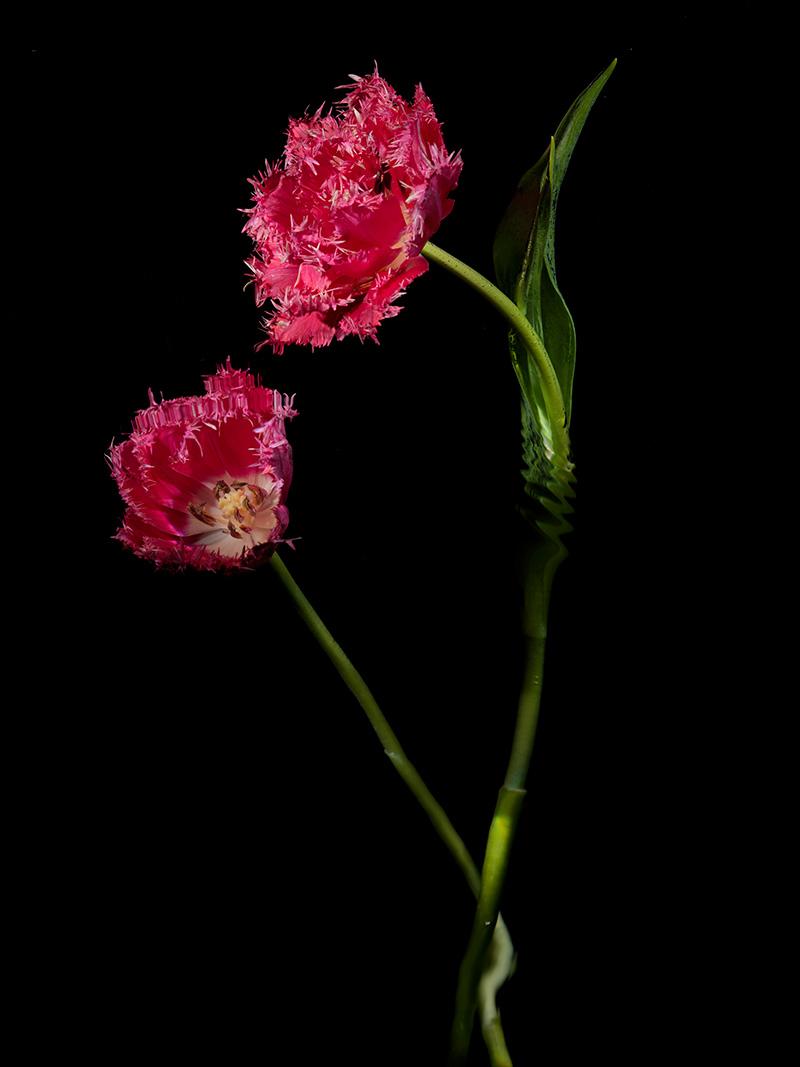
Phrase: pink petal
[356,195]
[170,467]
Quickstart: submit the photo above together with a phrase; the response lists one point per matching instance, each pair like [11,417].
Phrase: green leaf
[524,256]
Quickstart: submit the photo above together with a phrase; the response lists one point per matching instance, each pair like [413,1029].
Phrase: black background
[229,861]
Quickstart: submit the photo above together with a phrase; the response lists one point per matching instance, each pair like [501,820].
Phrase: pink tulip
[205,478]
[338,224]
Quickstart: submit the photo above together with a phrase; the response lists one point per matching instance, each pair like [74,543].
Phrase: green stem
[503,949]
[391,745]
[542,561]
[518,321]
[527,715]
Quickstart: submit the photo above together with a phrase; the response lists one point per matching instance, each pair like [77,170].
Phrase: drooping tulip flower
[205,478]
[338,223]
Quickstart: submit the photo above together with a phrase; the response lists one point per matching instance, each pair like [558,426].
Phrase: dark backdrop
[230,861]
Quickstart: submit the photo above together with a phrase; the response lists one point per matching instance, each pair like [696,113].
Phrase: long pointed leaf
[524,249]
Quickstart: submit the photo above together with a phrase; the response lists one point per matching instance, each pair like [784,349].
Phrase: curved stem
[503,949]
[542,562]
[518,321]
[391,745]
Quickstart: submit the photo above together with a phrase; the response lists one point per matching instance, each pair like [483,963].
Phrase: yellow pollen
[236,508]
[239,504]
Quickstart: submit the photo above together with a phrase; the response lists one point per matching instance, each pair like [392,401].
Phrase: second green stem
[380,725]
[542,560]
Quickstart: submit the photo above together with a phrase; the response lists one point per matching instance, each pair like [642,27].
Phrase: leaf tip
[600,81]
[612,66]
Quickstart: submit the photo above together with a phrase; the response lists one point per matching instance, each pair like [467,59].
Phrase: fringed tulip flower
[339,222]
[205,478]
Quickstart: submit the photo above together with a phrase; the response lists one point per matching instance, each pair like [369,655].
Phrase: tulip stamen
[237,508]
[199,513]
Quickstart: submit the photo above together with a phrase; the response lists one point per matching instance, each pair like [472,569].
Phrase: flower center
[236,509]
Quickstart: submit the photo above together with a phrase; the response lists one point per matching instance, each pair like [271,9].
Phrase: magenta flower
[339,222]
[205,477]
